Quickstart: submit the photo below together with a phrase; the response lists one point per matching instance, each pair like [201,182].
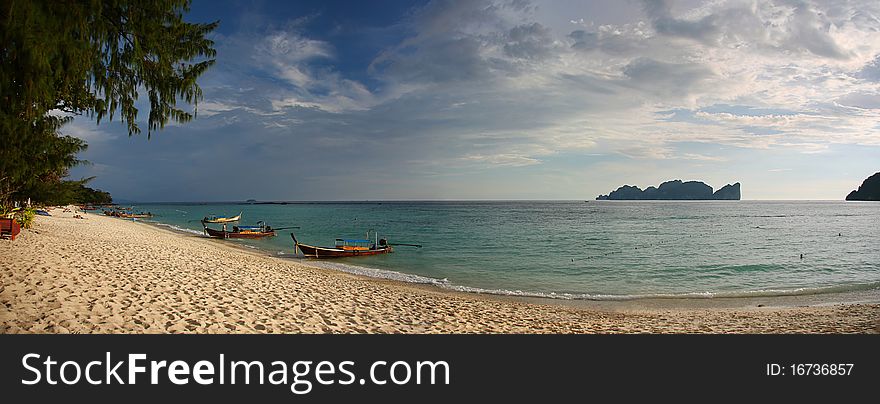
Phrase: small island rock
[675,190]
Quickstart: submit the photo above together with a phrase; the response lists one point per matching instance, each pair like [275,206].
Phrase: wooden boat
[344,248]
[215,219]
[126,215]
[259,231]
[137,215]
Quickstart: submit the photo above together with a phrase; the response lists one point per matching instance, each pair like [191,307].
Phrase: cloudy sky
[518,99]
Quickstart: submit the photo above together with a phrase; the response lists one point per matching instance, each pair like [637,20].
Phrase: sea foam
[180,229]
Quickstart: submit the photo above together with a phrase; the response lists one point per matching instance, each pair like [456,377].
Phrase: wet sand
[109,275]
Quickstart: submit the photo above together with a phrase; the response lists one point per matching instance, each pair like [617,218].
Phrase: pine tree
[90,58]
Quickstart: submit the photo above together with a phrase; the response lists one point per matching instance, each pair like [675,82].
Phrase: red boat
[242,231]
[344,248]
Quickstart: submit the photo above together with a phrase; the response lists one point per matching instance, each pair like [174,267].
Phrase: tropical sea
[598,250]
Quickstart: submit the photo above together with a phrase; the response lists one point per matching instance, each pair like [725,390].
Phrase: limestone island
[869,191]
[674,190]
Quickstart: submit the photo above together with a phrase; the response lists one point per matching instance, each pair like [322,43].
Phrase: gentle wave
[689,295]
[727,269]
[379,273]
[444,283]
[178,228]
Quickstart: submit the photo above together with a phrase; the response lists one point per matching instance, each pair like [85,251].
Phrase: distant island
[869,191]
[256,202]
[674,190]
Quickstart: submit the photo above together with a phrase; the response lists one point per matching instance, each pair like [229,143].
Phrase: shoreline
[785,300]
[101,274]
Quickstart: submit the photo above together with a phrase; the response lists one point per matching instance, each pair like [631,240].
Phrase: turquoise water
[585,250]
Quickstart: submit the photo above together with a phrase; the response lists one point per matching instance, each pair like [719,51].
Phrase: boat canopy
[354,240]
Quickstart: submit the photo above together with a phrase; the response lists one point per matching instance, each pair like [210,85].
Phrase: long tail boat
[221,219]
[137,215]
[125,215]
[344,248]
[259,231]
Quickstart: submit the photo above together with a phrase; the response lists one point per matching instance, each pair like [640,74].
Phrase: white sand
[108,275]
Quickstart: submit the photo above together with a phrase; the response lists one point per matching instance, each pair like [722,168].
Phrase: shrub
[25,217]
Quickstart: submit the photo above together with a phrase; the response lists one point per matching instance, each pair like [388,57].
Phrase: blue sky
[514,99]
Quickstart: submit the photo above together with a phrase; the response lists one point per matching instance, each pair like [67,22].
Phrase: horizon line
[257,201]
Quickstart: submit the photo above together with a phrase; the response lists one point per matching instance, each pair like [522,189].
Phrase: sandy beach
[108,275]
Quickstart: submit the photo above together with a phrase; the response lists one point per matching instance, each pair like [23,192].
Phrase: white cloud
[481,84]
[486,71]
[209,108]
[88,131]
[501,160]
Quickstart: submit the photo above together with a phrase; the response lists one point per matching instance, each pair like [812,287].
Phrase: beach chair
[9,227]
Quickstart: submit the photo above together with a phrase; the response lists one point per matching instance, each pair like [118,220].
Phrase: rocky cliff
[869,191]
[729,192]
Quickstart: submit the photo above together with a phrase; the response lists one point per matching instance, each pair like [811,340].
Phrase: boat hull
[229,234]
[325,252]
[222,219]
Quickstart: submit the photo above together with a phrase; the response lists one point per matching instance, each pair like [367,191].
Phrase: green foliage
[85,195]
[69,192]
[25,217]
[93,56]
[89,57]
[34,154]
